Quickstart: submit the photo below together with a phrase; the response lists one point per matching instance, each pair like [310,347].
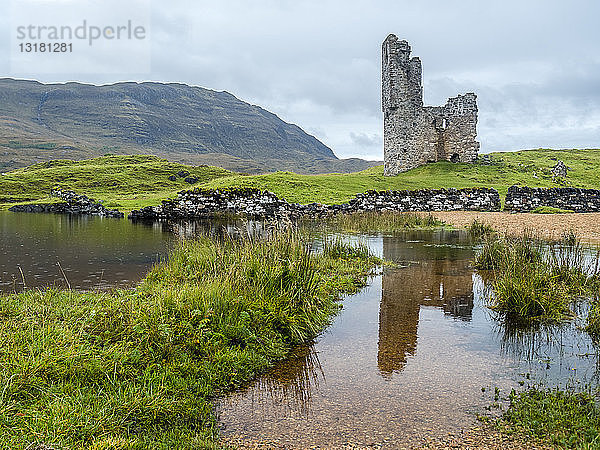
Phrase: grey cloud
[366,140]
[534,65]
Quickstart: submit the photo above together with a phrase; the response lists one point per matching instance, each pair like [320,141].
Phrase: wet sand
[585,225]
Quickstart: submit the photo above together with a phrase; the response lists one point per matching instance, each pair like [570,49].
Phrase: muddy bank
[585,225]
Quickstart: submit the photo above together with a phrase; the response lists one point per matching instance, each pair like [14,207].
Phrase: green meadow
[131,182]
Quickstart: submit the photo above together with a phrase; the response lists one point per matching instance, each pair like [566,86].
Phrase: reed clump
[593,320]
[534,281]
[384,221]
[478,229]
[141,368]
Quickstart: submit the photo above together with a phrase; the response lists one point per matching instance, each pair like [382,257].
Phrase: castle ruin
[414,134]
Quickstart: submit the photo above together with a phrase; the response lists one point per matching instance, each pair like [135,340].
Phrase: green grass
[566,419]
[128,182]
[550,210]
[139,369]
[509,168]
[535,282]
[122,182]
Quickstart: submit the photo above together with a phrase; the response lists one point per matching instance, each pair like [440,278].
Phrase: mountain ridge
[187,124]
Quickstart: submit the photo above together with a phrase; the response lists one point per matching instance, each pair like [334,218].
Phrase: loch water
[39,250]
[414,353]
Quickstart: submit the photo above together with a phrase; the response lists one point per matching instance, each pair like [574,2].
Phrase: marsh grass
[334,246]
[140,368]
[479,229]
[534,281]
[385,221]
[565,418]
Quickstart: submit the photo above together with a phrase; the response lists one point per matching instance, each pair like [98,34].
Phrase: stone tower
[414,134]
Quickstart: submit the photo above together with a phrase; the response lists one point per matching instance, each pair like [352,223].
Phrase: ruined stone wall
[201,203]
[525,199]
[460,115]
[413,134]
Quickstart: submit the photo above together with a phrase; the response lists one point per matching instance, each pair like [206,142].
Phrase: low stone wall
[468,199]
[72,204]
[525,199]
[200,203]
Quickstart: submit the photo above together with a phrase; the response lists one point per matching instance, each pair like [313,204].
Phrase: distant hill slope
[186,124]
[131,182]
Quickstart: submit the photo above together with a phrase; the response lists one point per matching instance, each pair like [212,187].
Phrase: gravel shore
[481,436]
[585,225]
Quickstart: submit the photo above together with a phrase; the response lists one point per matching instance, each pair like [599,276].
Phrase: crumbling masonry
[414,134]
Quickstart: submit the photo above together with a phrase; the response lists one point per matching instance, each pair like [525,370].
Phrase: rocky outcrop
[525,199]
[201,203]
[72,204]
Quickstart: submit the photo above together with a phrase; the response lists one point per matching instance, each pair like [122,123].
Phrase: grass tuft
[386,221]
[550,210]
[534,281]
[479,229]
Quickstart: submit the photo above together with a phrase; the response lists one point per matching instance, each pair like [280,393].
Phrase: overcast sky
[534,64]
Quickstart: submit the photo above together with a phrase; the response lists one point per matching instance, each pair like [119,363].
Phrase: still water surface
[407,356]
[93,252]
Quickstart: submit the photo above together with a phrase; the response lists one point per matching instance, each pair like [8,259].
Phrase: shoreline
[551,226]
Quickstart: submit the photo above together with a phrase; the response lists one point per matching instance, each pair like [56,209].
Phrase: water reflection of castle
[437,276]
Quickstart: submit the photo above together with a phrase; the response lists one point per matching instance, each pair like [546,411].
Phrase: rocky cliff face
[176,121]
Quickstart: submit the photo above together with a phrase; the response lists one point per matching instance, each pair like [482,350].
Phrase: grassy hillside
[127,182]
[526,168]
[122,182]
